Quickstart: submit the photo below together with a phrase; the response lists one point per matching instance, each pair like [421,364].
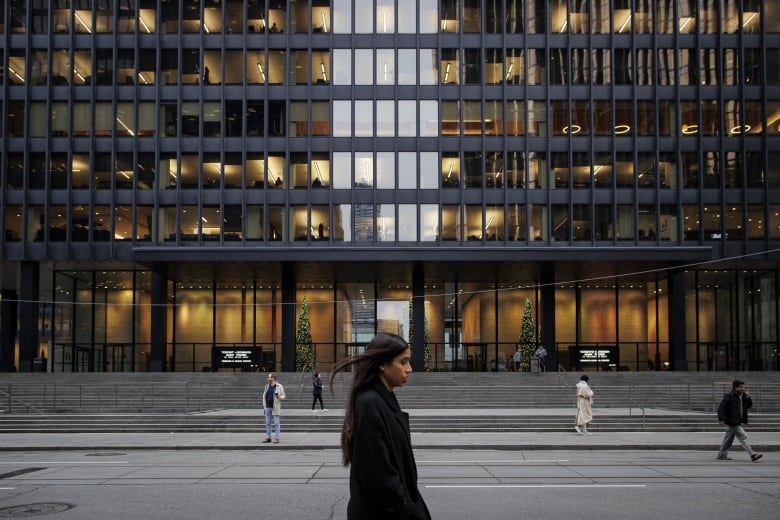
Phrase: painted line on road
[477,486]
[79,462]
[461,461]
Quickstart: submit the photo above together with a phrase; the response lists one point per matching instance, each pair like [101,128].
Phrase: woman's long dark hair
[382,348]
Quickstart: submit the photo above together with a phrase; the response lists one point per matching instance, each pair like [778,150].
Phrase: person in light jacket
[584,406]
[375,438]
[272,404]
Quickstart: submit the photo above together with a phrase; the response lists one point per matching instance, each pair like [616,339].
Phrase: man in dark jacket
[732,413]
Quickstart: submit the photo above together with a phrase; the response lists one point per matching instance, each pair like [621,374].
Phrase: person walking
[518,359]
[317,392]
[584,406]
[272,403]
[733,413]
[375,439]
[541,358]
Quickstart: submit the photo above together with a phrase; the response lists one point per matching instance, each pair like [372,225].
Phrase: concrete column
[29,283]
[677,352]
[8,316]
[418,311]
[289,318]
[159,321]
[547,278]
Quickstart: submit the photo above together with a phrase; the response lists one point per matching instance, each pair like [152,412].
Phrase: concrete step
[463,422]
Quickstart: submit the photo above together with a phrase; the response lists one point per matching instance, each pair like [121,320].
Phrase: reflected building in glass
[178,175]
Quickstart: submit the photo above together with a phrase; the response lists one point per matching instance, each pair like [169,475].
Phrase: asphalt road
[457,484]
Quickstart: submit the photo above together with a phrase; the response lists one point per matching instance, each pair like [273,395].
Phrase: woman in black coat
[375,439]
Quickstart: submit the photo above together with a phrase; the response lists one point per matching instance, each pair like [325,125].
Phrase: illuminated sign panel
[235,357]
[596,358]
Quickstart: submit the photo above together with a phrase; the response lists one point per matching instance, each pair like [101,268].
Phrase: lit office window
[320,67]
[474,225]
[538,227]
[385,16]
[537,63]
[450,170]
[668,222]
[278,229]
[625,222]
[603,225]
[516,222]
[320,223]
[449,227]
[686,16]
[320,170]
[581,223]
[560,222]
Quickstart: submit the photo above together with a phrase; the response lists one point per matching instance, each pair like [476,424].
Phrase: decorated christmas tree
[527,336]
[304,349]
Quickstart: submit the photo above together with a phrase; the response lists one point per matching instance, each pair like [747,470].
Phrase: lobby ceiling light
[740,129]
[690,129]
[573,129]
[622,129]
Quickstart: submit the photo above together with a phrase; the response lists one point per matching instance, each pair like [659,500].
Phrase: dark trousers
[317,397]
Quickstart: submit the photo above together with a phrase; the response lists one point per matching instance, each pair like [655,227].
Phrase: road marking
[477,486]
[461,461]
[79,463]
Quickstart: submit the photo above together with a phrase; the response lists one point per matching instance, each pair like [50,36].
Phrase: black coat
[728,411]
[317,388]
[383,473]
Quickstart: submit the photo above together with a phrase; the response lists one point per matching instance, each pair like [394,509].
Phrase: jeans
[728,439]
[269,417]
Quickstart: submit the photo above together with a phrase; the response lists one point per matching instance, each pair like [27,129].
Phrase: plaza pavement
[446,440]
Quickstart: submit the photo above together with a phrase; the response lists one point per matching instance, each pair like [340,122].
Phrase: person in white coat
[272,404]
[584,406]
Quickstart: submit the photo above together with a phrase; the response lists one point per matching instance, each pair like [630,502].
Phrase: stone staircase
[229,402]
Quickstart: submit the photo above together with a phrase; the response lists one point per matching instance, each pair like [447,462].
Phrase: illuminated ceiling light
[449,172]
[87,27]
[563,27]
[125,126]
[141,19]
[143,78]
[324,21]
[384,21]
[206,28]
[628,19]
[322,68]
[16,74]
[684,22]
[509,70]
[260,69]
[622,129]
[573,129]
[317,167]
[690,129]
[752,15]
[740,129]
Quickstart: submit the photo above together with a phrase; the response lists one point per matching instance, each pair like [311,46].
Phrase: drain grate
[40,509]
[18,472]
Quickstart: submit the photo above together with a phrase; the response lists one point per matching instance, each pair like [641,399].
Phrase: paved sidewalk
[523,441]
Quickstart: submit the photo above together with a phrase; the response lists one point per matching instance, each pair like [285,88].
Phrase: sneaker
[578,429]
[313,410]
[276,441]
[266,441]
[586,432]
[324,410]
[755,457]
[724,457]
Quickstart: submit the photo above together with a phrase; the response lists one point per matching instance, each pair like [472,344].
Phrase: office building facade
[180,178]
